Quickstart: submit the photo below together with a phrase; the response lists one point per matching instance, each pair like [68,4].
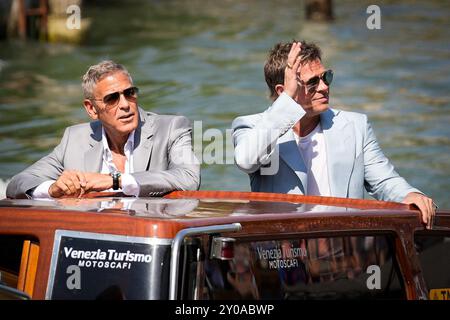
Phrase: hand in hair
[292,71]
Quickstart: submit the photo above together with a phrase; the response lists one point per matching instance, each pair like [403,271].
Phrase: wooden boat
[211,245]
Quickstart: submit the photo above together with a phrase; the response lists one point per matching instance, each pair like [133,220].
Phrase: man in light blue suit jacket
[299,145]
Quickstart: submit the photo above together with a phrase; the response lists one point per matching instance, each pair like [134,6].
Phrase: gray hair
[97,72]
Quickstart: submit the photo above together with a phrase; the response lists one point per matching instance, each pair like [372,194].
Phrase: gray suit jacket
[266,149]
[163,156]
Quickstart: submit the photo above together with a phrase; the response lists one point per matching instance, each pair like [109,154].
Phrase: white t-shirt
[313,150]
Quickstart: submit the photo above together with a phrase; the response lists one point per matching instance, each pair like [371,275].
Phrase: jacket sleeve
[49,167]
[380,179]
[255,137]
[183,171]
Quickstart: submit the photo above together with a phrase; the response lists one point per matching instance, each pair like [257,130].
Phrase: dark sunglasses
[313,83]
[112,100]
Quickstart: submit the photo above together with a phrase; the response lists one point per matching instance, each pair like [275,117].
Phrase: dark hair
[277,61]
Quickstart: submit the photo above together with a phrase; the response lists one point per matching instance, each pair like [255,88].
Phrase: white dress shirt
[129,184]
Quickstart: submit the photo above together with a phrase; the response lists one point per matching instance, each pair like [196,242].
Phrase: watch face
[115,175]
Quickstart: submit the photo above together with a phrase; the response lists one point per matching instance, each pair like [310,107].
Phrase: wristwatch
[115,176]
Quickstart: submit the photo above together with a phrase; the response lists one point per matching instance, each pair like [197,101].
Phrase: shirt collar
[129,145]
[309,136]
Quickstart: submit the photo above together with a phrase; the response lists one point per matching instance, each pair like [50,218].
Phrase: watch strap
[115,176]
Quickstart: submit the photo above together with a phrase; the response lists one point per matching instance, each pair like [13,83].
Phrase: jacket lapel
[340,147]
[143,142]
[94,156]
[291,155]
[142,145]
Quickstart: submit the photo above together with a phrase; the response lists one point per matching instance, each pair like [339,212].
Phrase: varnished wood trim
[401,257]
[295,198]
[28,267]
[92,195]
[9,278]
[32,268]
[23,265]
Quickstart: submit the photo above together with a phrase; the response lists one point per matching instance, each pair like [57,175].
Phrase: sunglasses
[112,100]
[313,83]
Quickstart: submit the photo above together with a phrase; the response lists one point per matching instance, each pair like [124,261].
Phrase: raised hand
[292,71]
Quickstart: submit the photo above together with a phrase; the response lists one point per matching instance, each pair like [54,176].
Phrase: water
[204,59]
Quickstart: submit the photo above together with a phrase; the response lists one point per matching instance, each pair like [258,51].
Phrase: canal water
[204,59]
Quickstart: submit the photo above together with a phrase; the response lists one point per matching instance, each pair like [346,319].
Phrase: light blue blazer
[266,149]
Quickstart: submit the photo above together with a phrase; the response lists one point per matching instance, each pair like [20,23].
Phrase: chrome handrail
[178,241]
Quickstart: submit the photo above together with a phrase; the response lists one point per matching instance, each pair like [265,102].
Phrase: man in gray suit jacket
[124,148]
[300,145]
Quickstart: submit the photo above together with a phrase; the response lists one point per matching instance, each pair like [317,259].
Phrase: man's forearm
[42,190]
[158,182]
